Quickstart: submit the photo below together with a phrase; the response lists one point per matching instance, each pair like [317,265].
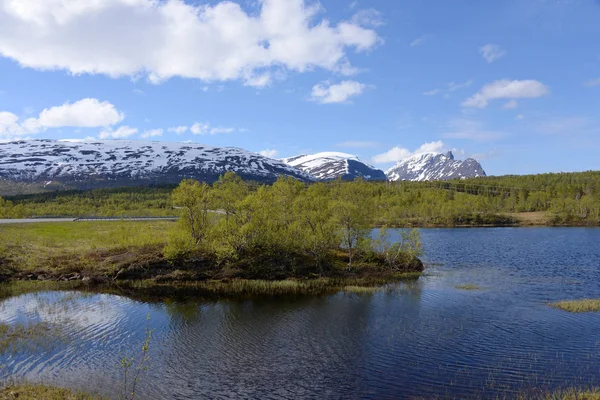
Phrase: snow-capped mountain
[331,165]
[434,167]
[126,162]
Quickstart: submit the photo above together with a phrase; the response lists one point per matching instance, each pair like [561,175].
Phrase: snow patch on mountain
[133,162]
[434,167]
[332,165]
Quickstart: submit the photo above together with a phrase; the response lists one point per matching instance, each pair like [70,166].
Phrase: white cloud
[201,128]
[358,144]
[593,82]
[419,41]
[85,113]
[368,18]
[506,89]
[492,52]
[510,105]
[450,87]
[152,133]
[327,93]
[462,128]
[173,38]
[431,92]
[215,131]
[178,129]
[397,154]
[268,153]
[520,117]
[453,86]
[120,133]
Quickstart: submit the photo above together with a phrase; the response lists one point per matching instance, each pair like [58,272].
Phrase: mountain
[330,165]
[434,167]
[112,163]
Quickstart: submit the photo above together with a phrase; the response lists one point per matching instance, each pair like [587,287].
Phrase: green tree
[194,198]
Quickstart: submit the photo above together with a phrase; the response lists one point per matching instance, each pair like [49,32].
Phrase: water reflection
[421,338]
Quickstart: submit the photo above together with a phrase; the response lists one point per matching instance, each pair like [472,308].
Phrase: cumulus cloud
[85,113]
[492,52]
[268,153]
[202,128]
[327,93]
[397,154]
[121,132]
[368,18]
[173,38]
[506,89]
[152,133]
[510,105]
[178,129]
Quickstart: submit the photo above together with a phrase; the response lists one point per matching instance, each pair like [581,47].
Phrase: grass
[15,338]
[578,306]
[40,392]
[57,248]
[468,287]
[538,218]
[567,394]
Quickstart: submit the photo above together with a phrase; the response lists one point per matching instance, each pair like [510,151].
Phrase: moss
[39,392]
[468,287]
[578,306]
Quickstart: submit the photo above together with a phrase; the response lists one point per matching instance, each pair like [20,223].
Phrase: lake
[416,339]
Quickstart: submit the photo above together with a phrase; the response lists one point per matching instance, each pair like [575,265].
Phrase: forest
[563,199]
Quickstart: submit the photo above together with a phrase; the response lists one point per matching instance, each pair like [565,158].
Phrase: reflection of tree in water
[277,347]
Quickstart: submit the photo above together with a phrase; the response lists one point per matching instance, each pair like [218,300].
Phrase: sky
[512,83]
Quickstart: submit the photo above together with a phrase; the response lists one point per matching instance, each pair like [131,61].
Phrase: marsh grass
[578,306]
[76,244]
[31,337]
[362,289]
[468,287]
[566,394]
[40,392]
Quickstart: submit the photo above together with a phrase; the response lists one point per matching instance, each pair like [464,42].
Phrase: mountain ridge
[110,163]
[434,167]
[327,166]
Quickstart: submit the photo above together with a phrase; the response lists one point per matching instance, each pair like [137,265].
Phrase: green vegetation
[61,250]
[40,392]
[468,287]
[578,306]
[567,394]
[14,338]
[285,230]
[546,199]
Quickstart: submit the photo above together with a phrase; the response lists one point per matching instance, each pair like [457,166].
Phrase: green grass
[578,306]
[468,287]
[51,247]
[567,394]
[40,392]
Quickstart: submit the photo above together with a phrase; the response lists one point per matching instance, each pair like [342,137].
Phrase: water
[423,339]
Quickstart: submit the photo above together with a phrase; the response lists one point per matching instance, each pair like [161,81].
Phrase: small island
[230,238]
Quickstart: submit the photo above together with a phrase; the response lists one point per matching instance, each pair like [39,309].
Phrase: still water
[425,339]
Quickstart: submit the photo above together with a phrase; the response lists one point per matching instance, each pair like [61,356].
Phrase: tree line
[569,198]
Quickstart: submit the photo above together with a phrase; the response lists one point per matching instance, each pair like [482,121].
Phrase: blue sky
[513,83]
